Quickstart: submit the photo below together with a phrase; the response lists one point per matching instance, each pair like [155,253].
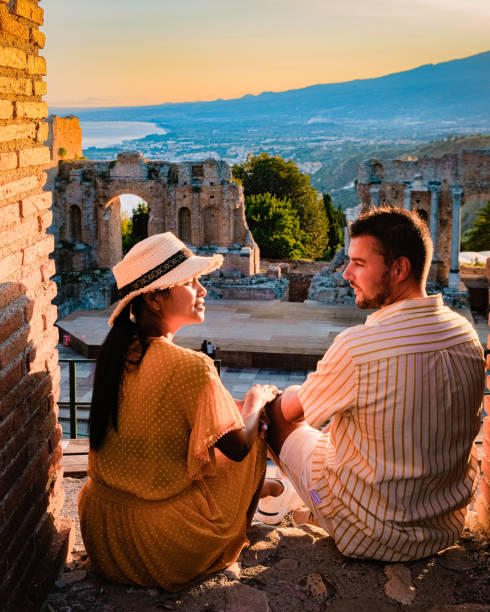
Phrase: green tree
[478,237]
[273,175]
[275,226]
[336,222]
[135,229]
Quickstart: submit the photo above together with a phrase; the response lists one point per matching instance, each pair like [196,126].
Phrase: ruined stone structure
[33,538]
[64,138]
[199,202]
[437,188]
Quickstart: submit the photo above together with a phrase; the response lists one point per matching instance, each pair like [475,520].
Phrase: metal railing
[73,404]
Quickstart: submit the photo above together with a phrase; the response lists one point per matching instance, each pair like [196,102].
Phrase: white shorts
[295,461]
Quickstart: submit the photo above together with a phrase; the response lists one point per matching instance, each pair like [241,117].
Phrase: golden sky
[135,52]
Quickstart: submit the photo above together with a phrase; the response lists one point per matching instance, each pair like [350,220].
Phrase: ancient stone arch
[437,188]
[197,201]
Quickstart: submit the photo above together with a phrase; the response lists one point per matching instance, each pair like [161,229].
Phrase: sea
[114,133]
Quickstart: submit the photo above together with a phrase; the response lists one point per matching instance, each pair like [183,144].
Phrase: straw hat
[158,262]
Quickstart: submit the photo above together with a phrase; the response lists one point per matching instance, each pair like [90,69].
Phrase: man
[391,474]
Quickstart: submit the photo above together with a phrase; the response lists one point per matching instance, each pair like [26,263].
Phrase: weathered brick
[40,88]
[11,376]
[9,292]
[55,437]
[50,316]
[14,27]
[12,58]
[44,247]
[38,38]
[36,65]
[16,131]
[8,161]
[10,474]
[33,157]
[29,10]
[13,347]
[14,189]
[10,322]
[11,425]
[31,110]
[9,265]
[16,86]
[9,214]
[6,109]
[36,203]
[48,269]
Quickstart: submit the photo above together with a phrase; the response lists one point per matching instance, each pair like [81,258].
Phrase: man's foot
[273,508]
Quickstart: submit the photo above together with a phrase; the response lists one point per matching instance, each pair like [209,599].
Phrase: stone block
[36,64]
[9,266]
[45,220]
[37,38]
[15,86]
[9,215]
[11,57]
[6,109]
[29,10]
[16,131]
[31,110]
[12,190]
[13,346]
[33,157]
[14,27]
[42,133]
[41,249]
[8,160]
[35,203]
[40,88]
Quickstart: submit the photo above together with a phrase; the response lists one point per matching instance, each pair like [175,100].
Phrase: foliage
[62,151]
[275,226]
[478,237]
[263,174]
[135,229]
[336,222]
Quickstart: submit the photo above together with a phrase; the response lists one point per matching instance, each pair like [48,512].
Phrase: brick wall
[33,538]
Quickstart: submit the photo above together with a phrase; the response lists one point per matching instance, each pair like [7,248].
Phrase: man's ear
[401,269]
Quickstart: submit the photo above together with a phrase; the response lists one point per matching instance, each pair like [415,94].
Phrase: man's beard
[378,300]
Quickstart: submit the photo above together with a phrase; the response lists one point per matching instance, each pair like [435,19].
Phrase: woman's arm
[236,444]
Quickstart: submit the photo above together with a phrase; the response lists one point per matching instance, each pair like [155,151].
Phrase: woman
[175,464]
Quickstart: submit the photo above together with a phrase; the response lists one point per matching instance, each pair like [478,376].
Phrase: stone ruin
[197,201]
[437,188]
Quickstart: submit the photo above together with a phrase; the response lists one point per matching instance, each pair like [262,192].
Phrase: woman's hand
[260,395]
[236,444]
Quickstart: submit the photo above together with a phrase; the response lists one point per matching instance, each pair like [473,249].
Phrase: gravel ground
[287,569]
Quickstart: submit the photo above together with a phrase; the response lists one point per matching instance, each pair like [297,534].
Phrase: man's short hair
[401,233]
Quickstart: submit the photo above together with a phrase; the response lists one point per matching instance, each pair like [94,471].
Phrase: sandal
[271,510]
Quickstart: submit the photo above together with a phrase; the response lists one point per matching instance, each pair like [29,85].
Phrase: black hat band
[149,277]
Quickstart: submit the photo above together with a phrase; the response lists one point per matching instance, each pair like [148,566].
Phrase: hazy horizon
[119,54]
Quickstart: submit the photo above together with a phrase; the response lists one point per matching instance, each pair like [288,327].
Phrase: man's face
[368,274]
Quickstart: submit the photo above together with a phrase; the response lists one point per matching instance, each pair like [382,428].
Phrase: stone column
[407,197]
[374,195]
[435,190]
[454,279]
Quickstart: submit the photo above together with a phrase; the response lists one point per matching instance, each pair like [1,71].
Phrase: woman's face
[183,305]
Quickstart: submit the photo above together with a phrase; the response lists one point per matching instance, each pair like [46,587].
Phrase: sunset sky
[135,52]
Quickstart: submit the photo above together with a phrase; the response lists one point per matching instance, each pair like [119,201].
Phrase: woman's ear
[150,299]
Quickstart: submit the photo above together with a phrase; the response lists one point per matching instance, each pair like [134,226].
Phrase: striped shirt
[396,466]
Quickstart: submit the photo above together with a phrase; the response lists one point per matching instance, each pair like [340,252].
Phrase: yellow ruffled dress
[162,506]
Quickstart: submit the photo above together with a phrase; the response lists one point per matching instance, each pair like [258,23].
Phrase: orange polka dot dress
[162,506]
